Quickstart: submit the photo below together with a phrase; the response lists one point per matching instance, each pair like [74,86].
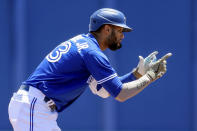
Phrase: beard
[113,43]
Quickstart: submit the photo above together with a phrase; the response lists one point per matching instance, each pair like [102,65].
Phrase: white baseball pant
[28,112]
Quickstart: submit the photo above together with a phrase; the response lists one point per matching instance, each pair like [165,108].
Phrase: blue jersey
[63,74]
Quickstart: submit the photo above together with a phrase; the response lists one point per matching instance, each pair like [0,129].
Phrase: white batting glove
[158,68]
[145,63]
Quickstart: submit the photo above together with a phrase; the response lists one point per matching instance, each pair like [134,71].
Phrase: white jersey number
[56,55]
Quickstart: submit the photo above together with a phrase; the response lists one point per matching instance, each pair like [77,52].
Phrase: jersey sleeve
[100,68]
[127,77]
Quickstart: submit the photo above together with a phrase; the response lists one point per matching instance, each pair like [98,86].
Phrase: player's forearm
[131,76]
[127,77]
[131,89]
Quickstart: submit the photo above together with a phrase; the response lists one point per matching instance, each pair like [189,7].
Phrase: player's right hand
[158,68]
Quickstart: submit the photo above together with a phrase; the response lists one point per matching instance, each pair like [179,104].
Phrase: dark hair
[98,30]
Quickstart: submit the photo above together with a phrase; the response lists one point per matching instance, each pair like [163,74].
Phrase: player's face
[115,38]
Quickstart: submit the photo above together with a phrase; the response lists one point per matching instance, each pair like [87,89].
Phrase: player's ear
[107,28]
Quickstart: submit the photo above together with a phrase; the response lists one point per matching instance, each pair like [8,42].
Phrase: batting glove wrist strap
[136,73]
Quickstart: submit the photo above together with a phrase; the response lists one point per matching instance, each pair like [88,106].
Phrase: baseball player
[66,71]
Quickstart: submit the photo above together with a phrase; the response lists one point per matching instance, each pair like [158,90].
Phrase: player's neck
[101,41]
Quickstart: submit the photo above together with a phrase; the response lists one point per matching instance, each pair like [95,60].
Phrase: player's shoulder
[86,41]
[96,53]
[88,47]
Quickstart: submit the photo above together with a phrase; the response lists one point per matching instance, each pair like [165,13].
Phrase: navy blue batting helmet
[108,16]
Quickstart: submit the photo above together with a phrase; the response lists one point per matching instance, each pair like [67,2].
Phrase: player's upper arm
[100,68]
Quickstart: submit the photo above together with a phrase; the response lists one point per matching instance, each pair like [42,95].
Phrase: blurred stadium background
[29,29]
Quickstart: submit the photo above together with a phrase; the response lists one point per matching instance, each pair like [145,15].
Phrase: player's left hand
[158,68]
[145,64]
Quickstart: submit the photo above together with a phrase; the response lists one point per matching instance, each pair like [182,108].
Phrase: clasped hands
[151,66]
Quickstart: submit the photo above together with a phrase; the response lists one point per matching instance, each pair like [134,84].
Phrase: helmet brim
[125,27]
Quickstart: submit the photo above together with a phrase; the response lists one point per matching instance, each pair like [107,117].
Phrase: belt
[50,102]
